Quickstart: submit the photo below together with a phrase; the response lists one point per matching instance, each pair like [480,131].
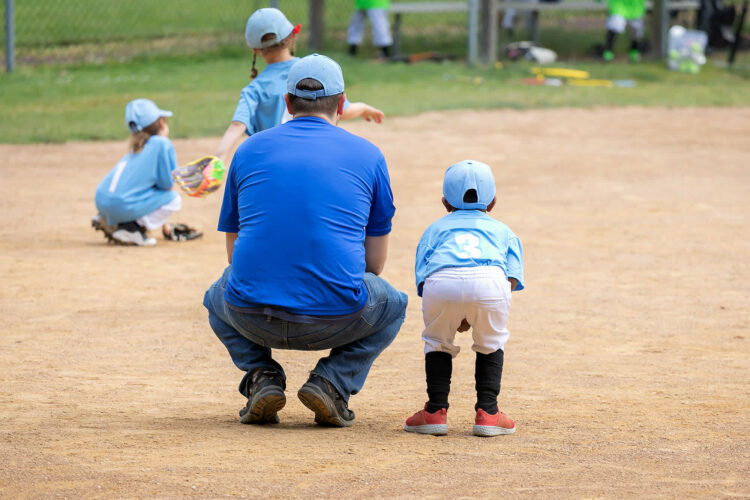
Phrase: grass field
[54,104]
[96,56]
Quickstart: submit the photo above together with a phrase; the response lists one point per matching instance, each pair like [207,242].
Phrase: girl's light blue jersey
[468,238]
[262,104]
[139,183]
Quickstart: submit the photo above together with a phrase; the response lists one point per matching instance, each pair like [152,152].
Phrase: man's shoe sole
[323,406]
[491,430]
[433,429]
[264,406]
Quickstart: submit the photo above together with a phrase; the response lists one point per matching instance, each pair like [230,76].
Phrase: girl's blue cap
[264,22]
[464,176]
[141,113]
[317,67]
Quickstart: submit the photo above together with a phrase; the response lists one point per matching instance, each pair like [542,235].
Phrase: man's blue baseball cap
[268,21]
[464,176]
[317,67]
[141,113]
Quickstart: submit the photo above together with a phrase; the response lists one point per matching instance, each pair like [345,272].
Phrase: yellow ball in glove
[200,177]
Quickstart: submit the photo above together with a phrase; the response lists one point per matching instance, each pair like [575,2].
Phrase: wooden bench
[399,9]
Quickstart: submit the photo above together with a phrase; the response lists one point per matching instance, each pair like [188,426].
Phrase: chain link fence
[95,31]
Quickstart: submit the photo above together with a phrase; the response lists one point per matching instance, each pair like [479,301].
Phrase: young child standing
[467,264]
[622,14]
[136,195]
[261,106]
[377,11]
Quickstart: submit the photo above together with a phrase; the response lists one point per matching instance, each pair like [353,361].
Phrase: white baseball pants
[481,295]
[159,217]
[381,28]
[618,24]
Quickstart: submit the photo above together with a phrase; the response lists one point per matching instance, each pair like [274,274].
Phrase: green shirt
[371,4]
[629,9]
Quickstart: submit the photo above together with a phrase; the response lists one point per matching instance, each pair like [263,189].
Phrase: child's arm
[233,133]
[356,109]
[513,284]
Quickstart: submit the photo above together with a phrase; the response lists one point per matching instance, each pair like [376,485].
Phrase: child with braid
[261,106]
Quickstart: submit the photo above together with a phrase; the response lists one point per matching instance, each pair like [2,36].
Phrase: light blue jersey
[262,104]
[468,238]
[139,183]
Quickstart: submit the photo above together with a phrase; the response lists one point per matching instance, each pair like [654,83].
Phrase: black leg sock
[353,50]
[386,51]
[610,40]
[438,366]
[488,372]
[635,45]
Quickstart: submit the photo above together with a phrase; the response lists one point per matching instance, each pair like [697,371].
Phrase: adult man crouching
[307,211]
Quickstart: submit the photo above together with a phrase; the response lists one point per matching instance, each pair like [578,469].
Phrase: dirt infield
[627,369]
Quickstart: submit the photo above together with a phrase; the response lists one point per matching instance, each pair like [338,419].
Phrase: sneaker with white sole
[424,422]
[487,425]
[130,233]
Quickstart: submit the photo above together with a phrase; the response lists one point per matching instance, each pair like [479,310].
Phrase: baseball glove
[200,177]
[180,232]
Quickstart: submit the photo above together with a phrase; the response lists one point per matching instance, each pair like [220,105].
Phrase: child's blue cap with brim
[467,175]
[317,67]
[141,113]
[267,21]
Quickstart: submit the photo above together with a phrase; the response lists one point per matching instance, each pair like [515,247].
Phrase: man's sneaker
[424,422]
[99,223]
[492,425]
[321,396]
[608,56]
[265,398]
[180,232]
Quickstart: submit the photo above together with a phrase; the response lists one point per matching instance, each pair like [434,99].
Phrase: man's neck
[330,119]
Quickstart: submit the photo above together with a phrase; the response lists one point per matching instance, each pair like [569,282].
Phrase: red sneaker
[423,422]
[493,425]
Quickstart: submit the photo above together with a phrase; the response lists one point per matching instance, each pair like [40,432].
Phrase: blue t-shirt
[139,183]
[468,238]
[302,197]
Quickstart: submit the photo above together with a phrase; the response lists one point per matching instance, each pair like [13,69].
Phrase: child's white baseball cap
[467,175]
[320,68]
[141,113]
[268,21]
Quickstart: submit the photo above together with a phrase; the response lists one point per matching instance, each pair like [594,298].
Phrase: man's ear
[288,106]
[342,101]
[492,204]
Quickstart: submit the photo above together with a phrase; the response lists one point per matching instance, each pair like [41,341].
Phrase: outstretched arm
[364,110]
[234,132]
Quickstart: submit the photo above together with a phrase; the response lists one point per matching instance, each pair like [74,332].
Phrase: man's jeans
[354,345]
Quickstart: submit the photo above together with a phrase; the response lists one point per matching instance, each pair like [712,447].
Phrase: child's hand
[373,114]
[464,326]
